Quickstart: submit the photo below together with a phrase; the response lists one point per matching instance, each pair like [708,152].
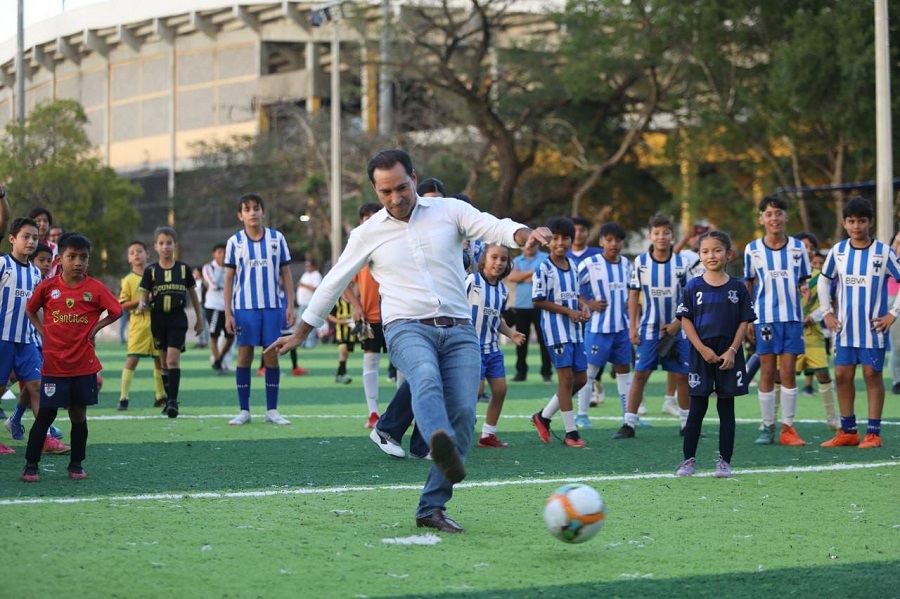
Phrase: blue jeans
[397,417]
[442,365]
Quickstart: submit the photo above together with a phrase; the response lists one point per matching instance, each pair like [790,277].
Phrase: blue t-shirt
[523,263]
[716,311]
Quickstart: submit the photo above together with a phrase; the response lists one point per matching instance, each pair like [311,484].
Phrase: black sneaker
[217,365]
[519,377]
[626,432]
[573,439]
[31,474]
[123,405]
[896,389]
[171,409]
[76,472]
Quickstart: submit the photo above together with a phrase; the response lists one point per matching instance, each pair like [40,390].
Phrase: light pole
[884,185]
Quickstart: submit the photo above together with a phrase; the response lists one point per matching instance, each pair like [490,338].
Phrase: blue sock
[273,378]
[242,377]
[874,427]
[17,415]
[848,424]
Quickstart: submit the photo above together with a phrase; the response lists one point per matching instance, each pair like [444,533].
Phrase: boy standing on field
[73,303]
[776,268]
[140,341]
[861,266]
[255,258]
[214,303]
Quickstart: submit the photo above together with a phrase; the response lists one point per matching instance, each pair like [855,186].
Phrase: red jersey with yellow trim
[70,314]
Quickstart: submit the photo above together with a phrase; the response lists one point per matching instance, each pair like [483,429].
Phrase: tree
[60,170]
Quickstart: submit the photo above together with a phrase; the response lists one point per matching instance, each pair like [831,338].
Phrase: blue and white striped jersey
[600,279]
[17,283]
[560,287]
[257,266]
[862,276]
[662,286]
[777,275]
[488,303]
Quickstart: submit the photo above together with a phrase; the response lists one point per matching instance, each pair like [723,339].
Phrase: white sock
[623,383]
[568,419]
[551,408]
[631,419]
[788,405]
[371,363]
[683,415]
[669,399]
[584,394]
[487,429]
[767,407]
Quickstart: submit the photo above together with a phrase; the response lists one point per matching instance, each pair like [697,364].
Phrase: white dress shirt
[417,264]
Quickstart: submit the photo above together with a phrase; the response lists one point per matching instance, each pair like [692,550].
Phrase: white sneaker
[386,444]
[642,410]
[671,408]
[8,395]
[242,418]
[273,417]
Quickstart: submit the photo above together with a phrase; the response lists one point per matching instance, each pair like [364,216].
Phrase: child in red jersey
[73,304]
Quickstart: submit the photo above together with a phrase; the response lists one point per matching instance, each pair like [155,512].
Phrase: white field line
[472,485]
[228,416]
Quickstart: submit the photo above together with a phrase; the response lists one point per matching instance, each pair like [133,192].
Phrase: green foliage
[60,170]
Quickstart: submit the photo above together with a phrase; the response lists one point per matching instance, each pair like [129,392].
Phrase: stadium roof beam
[42,58]
[95,43]
[204,25]
[164,31]
[246,17]
[292,13]
[6,79]
[127,37]
[65,48]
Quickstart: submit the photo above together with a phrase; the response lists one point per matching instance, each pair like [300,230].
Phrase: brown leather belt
[445,321]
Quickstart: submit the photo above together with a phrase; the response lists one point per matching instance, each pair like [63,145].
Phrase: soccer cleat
[16,429]
[671,408]
[76,472]
[343,379]
[372,421]
[895,389]
[55,432]
[808,391]
[723,469]
[171,408]
[686,468]
[790,437]
[54,447]
[542,425]
[5,449]
[243,417]
[491,441]
[872,440]
[598,394]
[123,405]
[299,371]
[625,432]
[386,443]
[766,435]
[160,402]
[582,421]
[642,410]
[273,417]
[31,474]
[573,439]
[519,377]
[843,439]
[548,379]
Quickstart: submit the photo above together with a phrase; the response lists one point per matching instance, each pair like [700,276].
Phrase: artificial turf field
[194,508]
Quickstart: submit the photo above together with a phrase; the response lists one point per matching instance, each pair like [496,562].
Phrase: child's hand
[518,338]
[198,327]
[833,324]
[577,315]
[727,360]
[709,355]
[883,323]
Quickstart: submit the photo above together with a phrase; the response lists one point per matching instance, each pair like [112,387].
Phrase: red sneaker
[491,441]
[31,474]
[871,440]
[299,371]
[542,425]
[790,437]
[261,372]
[573,439]
[843,439]
[52,446]
[77,473]
[5,450]
[373,420]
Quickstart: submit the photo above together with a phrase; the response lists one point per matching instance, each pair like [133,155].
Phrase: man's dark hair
[250,197]
[859,207]
[387,159]
[614,229]
[368,209]
[73,240]
[39,210]
[773,201]
[18,223]
[580,220]
[807,235]
[431,186]
[562,226]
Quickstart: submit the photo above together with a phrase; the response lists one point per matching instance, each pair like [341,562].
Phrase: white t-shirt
[303,295]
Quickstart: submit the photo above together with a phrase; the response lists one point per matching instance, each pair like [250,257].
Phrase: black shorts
[216,321]
[377,344]
[66,391]
[169,329]
[704,378]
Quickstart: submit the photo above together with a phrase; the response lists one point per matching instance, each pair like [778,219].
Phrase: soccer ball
[574,513]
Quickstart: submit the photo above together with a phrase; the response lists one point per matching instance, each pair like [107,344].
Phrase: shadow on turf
[848,581]
[292,462]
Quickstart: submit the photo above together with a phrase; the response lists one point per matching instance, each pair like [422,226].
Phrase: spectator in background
[306,285]
[893,292]
[525,315]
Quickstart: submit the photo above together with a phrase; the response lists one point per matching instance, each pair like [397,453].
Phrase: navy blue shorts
[704,378]
[67,391]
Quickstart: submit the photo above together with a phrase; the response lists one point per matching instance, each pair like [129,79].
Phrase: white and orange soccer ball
[574,513]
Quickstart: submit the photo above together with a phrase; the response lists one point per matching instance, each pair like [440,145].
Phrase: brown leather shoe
[439,520]
[446,458]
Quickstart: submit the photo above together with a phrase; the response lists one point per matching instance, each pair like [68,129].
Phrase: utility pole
[385,74]
[20,75]
[884,190]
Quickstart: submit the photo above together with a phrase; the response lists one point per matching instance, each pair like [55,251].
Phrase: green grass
[194,508]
